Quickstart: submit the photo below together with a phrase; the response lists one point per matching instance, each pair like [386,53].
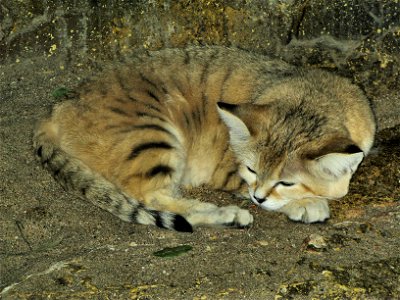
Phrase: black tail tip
[182,225]
[39,151]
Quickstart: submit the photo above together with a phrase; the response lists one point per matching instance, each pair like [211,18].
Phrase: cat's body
[150,127]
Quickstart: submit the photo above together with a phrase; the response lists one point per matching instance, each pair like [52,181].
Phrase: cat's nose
[259,200]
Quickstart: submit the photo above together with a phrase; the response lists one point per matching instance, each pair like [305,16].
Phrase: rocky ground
[53,245]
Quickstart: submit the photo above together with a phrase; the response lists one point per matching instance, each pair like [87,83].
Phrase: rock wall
[357,38]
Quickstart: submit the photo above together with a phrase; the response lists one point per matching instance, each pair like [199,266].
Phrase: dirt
[54,245]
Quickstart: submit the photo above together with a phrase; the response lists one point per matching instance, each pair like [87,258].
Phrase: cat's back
[219,73]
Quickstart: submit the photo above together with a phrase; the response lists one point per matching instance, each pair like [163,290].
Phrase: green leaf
[173,251]
[61,92]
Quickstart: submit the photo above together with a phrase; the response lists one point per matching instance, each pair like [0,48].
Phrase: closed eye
[285,183]
[251,170]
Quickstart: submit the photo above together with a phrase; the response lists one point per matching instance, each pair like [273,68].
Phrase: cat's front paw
[307,210]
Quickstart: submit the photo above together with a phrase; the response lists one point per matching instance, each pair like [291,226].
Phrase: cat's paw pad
[233,216]
[307,210]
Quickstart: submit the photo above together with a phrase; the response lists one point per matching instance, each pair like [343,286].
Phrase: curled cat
[286,137]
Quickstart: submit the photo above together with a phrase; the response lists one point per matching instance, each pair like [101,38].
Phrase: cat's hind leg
[226,216]
[199,213]
[153,175]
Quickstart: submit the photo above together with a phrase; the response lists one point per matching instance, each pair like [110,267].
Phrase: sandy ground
[53,245]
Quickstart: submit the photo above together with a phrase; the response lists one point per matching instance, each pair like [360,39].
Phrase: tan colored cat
[289,138]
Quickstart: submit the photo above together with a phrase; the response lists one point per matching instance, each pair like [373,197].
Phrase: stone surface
[359,39]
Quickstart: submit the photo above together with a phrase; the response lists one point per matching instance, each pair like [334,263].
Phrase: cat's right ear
[238,131]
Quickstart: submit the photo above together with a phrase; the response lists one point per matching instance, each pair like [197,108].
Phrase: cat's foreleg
[307,210]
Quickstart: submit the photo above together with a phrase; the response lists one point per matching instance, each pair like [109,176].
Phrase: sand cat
[134,137]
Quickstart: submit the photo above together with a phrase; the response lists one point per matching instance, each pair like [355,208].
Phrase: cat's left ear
[238,131]
[340,162]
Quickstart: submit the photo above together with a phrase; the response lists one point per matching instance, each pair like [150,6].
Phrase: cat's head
[288,153]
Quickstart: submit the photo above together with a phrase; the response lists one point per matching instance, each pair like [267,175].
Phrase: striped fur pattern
[287,138]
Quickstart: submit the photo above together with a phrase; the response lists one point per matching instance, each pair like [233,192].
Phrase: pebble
[263,243]
[315,242]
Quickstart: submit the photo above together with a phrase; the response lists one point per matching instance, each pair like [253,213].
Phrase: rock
[315,242]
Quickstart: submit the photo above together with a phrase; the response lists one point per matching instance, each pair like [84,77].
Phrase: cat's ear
[338,164]
[337,159]
[238,131]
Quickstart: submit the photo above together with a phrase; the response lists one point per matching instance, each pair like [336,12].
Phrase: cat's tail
[73,174]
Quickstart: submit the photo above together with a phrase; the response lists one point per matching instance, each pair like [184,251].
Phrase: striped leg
[197,212]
